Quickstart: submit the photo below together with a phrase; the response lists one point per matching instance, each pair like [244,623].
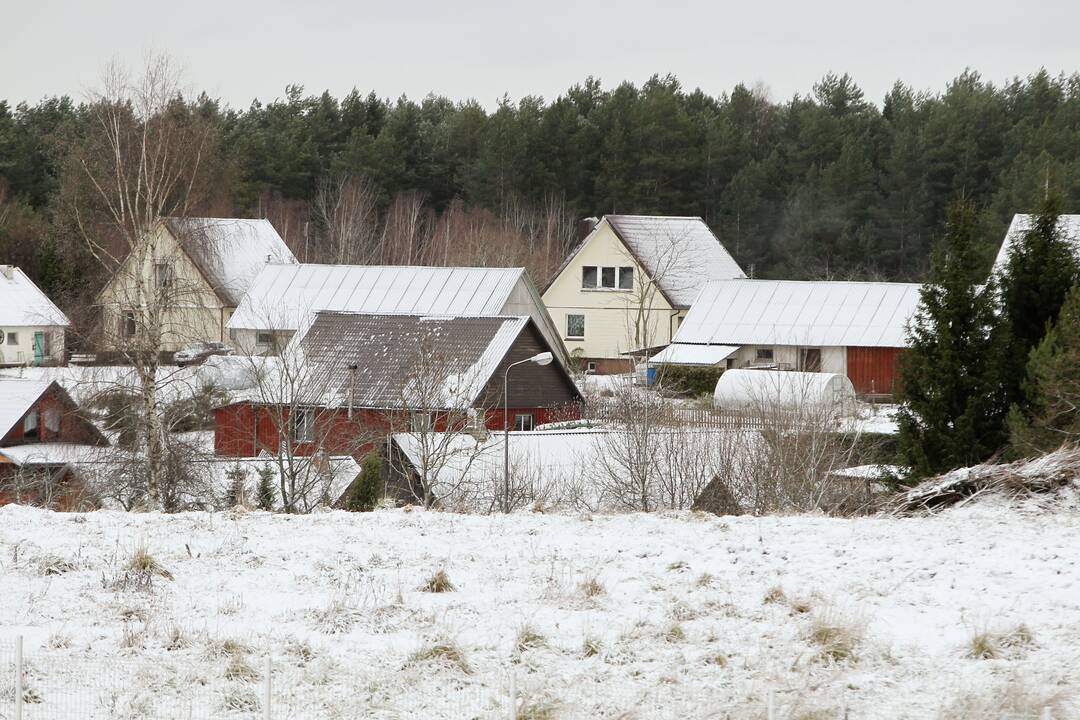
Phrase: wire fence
[51,684]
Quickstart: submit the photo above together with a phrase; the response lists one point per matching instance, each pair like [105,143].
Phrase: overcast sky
[239,51]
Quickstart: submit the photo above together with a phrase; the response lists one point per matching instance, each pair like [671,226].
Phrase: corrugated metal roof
[788,312]
[230,252]
[283,296]
[22,303]
[416,361]
[679,354]
[1069,225]
[679,253]
[16,397]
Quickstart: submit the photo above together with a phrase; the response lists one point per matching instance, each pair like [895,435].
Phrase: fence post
[18,677]
[267,688]
[770,710]
[513,697]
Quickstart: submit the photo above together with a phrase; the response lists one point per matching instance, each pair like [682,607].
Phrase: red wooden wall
[873,369]
[73,427]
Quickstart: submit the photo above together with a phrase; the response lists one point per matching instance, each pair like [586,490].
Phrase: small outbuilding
[786,390]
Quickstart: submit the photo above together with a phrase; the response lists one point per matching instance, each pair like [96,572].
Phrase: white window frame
[302,424]
[12,338]
[625,270]
[523,419]
[570,336]
[590,367]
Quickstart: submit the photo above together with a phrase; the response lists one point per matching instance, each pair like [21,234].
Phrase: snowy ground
[635,616]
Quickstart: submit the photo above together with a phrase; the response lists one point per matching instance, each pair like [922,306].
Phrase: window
[127,324]
[264,338]
[232,334]
[575,326]
[607,277]
[303,424]
[810,359]
[523,422]
[30,424]
[420,422]
[588,276]
[764,354]
[626,278]
[13,338]
[164,274]
[52,420]
[590,367]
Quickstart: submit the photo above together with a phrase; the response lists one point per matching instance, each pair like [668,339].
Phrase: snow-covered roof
[22,303]
[679,354]
[1069,225]
[788,312]
[283,296]
[16,397]
[403,360]
[57,454]
[230,252]
[678,253]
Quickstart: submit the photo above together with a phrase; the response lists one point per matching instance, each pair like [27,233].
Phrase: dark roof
[405,360]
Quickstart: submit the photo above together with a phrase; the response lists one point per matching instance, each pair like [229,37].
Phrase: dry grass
[591,587]
[529,638]
[217,648]
[144,563]
[777,596]
[536,709]
[673,633]
[837,639]
[1011,698]
[59,640]
[239,669]
[240,698]
[438,583]
[442,651]
[54,565]
[591,647]
[988,645]
[336,618]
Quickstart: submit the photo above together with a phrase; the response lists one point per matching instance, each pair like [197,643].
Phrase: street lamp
[543,358]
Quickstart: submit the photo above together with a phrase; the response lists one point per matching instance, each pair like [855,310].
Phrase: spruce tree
[1052,386]
[947,419]
[1041,269]
[366,489]
[266,493]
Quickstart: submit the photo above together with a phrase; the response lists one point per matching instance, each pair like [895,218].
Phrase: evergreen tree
[1052,416]
[367,489]
[236,494]
[1041,270]
[948,419]
[266,493]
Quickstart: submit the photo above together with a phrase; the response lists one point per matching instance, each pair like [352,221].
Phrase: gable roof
[23,304]
[678,253]
[230,252]
[1068,225]
[16,397]
[789,312]
[427,361]
[282,296]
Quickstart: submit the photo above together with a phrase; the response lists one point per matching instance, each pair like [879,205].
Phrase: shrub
[689,381]
[366,490]
[438,583]
[236,494]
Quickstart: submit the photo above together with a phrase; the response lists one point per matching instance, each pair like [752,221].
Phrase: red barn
[44,438]
[350,379]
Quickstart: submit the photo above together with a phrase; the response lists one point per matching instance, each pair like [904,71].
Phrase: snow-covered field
[631,616]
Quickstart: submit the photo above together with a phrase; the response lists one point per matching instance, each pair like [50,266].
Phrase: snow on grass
[648,616]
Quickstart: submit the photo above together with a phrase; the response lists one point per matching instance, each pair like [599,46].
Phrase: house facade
[628,285]
[348,380]
[857,329]
[196,270]
[44,439]
[32,328]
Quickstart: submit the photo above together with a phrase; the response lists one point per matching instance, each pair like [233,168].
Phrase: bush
[438,583]
[691,381]
[366,490]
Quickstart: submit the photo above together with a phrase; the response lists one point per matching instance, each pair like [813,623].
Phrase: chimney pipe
[352,387]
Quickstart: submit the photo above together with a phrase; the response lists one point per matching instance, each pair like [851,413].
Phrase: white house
[1069,225]
[31,326]
[630,282]
[857,329]
[197,269]
[284,297]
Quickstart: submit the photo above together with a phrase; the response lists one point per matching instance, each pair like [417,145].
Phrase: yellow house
[629,283]
[187,279]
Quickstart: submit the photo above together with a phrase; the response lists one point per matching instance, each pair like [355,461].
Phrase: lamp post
[543,358]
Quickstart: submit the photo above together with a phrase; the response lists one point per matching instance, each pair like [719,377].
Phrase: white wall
[833,359]
[22,353]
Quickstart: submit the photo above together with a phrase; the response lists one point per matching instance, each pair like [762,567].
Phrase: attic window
[607,277]
[164,274]
[30,424]
[588,276]
[595,277]
[626,278]
[52,420]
